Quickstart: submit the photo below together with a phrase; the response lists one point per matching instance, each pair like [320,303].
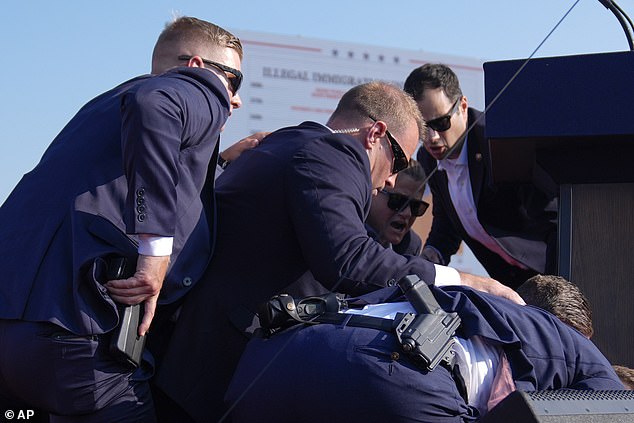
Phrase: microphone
[623,19]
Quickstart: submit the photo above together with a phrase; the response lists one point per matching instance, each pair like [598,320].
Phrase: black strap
[355,320]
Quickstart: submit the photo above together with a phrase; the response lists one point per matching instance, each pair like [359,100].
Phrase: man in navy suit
[129,176]
[349,371]
[294,204]
[511,229]
[394,211]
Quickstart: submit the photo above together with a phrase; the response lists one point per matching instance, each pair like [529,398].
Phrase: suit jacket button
[140,192]
[141,217]
[391,282]
[140,209]
[187,281]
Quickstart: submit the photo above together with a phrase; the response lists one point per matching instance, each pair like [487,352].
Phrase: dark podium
[568,122]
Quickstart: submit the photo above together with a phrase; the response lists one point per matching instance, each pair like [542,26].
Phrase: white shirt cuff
[219,171]
[151,245]
[446,276]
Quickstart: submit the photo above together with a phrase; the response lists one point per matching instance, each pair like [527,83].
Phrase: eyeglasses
[443,123]
[235,82]
[398,202]
[400,159]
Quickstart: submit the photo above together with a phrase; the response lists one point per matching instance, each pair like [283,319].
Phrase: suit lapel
[443,189]
[476,148]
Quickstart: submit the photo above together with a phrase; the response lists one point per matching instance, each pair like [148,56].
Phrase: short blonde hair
[188,35]
[381,101]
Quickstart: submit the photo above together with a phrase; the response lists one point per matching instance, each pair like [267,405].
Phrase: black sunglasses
[400,159]
[398,202]
[443,123]
[235,82]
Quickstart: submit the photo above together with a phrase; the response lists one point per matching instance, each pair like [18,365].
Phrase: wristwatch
[222,162]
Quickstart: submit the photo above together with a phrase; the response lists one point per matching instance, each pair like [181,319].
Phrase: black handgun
[125,343]
[427,336]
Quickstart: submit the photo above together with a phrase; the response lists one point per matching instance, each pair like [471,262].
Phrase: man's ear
[464,104]
[195,62]
[374,134]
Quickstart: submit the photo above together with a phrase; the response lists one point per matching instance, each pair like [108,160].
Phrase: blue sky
[57,55]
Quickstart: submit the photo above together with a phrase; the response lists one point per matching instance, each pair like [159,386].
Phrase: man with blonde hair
[118,212]
[294,204]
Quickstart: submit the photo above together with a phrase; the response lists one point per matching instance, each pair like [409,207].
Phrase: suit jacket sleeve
[328,198]
[162,121]
[544,352]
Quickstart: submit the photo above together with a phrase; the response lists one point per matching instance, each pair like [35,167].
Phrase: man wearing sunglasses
[125,183]
[395,209]
[511,229]
[296,204]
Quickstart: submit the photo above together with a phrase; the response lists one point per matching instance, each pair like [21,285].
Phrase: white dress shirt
[459,185]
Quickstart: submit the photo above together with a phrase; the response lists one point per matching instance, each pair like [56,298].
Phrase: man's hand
[491,286]
[233,152]
[144,286]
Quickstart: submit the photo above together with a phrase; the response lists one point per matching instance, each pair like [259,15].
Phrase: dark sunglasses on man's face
[235,82]
[400,159]
[398,202]
[443,123]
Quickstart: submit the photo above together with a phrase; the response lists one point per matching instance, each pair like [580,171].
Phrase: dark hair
[432,76]
[561,298]
[414,171]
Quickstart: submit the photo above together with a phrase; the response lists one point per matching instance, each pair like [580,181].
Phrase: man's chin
[394,239]
[437,154]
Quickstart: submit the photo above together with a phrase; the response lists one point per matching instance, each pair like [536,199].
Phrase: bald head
[190,36]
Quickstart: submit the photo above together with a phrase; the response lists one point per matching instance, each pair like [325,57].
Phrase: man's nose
[432,136]
[236,101]
[391,181]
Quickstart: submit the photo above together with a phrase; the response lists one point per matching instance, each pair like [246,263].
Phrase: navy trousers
[72,377]
[333,373]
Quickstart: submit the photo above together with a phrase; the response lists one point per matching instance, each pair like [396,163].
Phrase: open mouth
[437,149]
[399,226]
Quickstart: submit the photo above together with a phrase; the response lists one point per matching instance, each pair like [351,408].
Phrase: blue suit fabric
[361,374]
[133,160]
[295,204]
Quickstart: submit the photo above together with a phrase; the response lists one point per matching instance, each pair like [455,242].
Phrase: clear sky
[57,55]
